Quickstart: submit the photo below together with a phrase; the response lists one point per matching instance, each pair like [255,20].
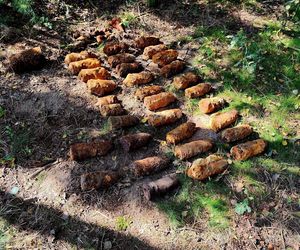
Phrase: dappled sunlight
[247,50]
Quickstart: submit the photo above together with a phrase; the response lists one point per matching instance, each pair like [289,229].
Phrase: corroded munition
[249,149]
[116,122]
[138,78]
[165,57]
[210,105]
[201,169]
[96,73]
[88,63]
[236,133]
[186,80]
[198,90]
[222,120]
[82,151]
[73,57]
[141,93]
[173,68]
[144,42]
[30,59]
[160,187]
[113,48]
[193,148]
[101,87]
[112,110]
[158,101]
[182,132]
[149,165]
[98,180]
[123,69]
[110,99]
[164,117]
[135,141]
[150,51]
[114,60]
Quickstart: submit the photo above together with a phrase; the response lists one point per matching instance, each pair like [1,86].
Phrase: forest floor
[247,51]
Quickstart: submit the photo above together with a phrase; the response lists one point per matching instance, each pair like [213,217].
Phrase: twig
[44,167]
[283,240]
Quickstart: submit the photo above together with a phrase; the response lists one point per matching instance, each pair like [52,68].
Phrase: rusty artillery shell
[150,51]
[149,165]
[30,59]
[114,60]
[116,122]
[154,102]
[248,149]
[101,87]
[134,141]
[210,105]
[112,110]
[237,133]
[201,169]
[82,151]
[113,48]
[182,132]
[123,69]
[193,148]
[164,117]
[160,187]
[96,73]
[173,68]
[141,93]
[165,57]
[98,180]
[110,99]
[198,90]
[88,63]
[222,120]
[144,42]
[73,57]
[186,80]
[138,78]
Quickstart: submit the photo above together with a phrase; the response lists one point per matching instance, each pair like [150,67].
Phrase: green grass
[196,199]
[26,13]
[122,223]
[260,74]
[128,19]
[6,234]
[19,142]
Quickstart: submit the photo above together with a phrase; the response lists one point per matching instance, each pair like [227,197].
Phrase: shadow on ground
[30,216]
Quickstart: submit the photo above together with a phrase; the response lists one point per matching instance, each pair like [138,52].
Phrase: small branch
[46,165]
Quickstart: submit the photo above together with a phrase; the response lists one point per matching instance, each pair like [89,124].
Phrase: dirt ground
[53,109]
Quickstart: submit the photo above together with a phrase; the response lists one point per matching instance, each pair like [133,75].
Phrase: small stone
[184,213]
[107,245]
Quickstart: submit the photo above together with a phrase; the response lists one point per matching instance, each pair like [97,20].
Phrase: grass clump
[195,200]
[6,233]
[122,223]
[17,146]
[25,9]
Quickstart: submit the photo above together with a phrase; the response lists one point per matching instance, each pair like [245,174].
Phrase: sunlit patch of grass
[215,207]
[273,165]
[196,199]
[241,166]
[6,233]
[122,223]
[128,18]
